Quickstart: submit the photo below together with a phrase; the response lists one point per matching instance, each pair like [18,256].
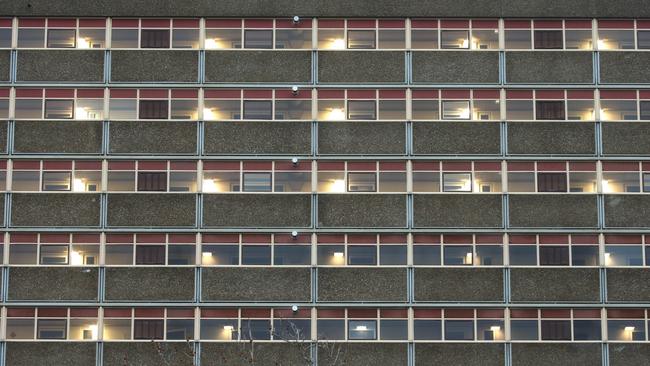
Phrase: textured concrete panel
[361,67]
[361,210]
[627,211]
[455,67]
[244,138]
[457,210]
[561,138]
[58,137]
[361,284]
[549,67]
[53,209]
[624,67]
[628,285]
[570,210]
[540,354]
[147,353]
[626,138]
[554,284]
[154,66]
[458,284]
[153,137]
[149,284]
[229,354]
[60,65]
[165,209]
[361,138]
[365,354]
[256,284]
[53,283]
[258,66]
[5,62]
[3,137]
[467,354]
[622,8]
[552,8]
[257,210]
[629,354]
[51,353]
[456,138]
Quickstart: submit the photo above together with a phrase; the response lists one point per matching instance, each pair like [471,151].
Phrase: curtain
[148,329]
[554,255]
[154,38]
[550,110]
[150,254]
[551,182]
[548,39]
[152,181]
[153,109]
[559,330]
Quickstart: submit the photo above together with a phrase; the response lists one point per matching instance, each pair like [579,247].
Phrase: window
[549,110]
[262,39]
[51,329]
[615,34]
[293,38]
[154,38]
[361,39]
[554,255]
[361,109]
[56,181]
[556,330]
[257,182]
[152,181]
[148,329]
[517,39]
[455,110]
[551,182]
[548,39]
[61,38]
[643,39]
[291,255]
[59,109]
[362,329]
[459,330]
[365,255]
[153,109]
[150,254]
[255,329]
[451,39]
[362,182]
[258,109]
[256,254]
[457,182]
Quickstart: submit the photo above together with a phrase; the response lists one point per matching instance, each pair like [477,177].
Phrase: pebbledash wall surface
[449,182]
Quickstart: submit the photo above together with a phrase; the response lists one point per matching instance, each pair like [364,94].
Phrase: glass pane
[83,329]
[331,182]
[618,110]
[521,182]
[220,255]
[293,109]
[549,110]
[425,110]
[646,182]
[455,109]
[456,255]
[258,39]
[257,109]
[180,329]
[22,253]
[362,182]
[454,39]
[626,330]
[123,109]
[426,182]
[518,39]
[362,255]
[621,182]
[91,38]
[392,255]
[221,182]
[255,329]
[523,255]
[118,255]
[392,109]
[331,255]
[490,330]
[56,181]
[89,109]
[121,181]
[426,255]
[611,39]
[459,330]
[182,181]
[643,39]
[222,38]
[331,110]
[331,329]
[59,109]
[457,182]
[115,329]
[552,255]
[586,330]
[548,39]
[361,39]
[184,109]
[582,182]
[221,109]
[644,106]
[362,329]
[551,182]
[257,182]
[5,37]
[61,38]
[25,181]
[430,330]
[584,255]
[578,39]
[392,181]
[485,39]
[54,254]
[154,38]
[256,254]
[292,255]
[523,330]
[392,39]
[556,330]
[292,329]
[623,255]
[185,38]
[4,108]
[361,110]
[293,38]
[181,255]
[486,182]
[124,38]
[51,329]
[332,39]
[424,39]
[20,328]
[519,110]
[219,329]
[489,255]
[84,255]
[486,110]
[580,110]
[292,182]
[393,329]
[31,38]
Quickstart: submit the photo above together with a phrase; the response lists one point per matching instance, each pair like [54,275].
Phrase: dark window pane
[181,255]
[362,109]
[255,329]
[333,255]
[427,330]
[154,38]
[586,330]
[426,255]
[256,254]
[292,255]
[61,38]
[549,109]
[180,329]
[362,182]
[523,255]
[551,182]
[257,182]
[458,255]
[362,255]
[258,39]
[51,329]
[152,181]
[56,181]
[150,254]
[331,329]
[59,109]
[459,330]
[257,109]
[54,254]
[392,255]
[292,329]
[556,330]
[361,39]
[148,329]
[393,329]
[645,110]
[643,38]
[523,330]
[554,255]
[362,329]
[584,255]
[548,39]
[153,109]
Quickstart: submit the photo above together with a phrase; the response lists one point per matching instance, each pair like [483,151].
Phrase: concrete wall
[458,284]
[551,138]
[628,354]
[456,138]
[457,210]
[628,211]
[530,210]
[469,354]
[153,137]
[366,354]
[60,65]
[53,209]
[361,284]
[628,285]
[549,67]
[624,67]
[361,67]
[258,66]
[455,67]
[361,210]
[541,354]
[225,138]
[164,209]
[362,138]
[229,354]
[50,353]
[256,284]
[53,284]
[5,62]
[149,284]
[58,137]
[257,210]
[554,285]
[154,66]
[147,353]
[626,138]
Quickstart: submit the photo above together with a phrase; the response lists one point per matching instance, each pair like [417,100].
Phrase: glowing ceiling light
[209,114]
[338,186]
[76,259]
[207,254]
[209,185]
[629,329]
[337,114]
[83,43]
[338,44]
[228,328]
[79,185]
[361,328]
[338,254]
[468,258]
[495,328]
[606,187]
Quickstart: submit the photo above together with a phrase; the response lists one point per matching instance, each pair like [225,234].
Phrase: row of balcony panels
[333,138]
[294,211]
[333,67]
[332,285]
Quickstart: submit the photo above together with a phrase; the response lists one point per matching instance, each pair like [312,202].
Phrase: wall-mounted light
[294,90]
[209,185]
[206,254]
[84,43]
[608,259]
[338,254]
[294,161]
[294,308]
[296,19]
[361,328]
[294,234]
[468,258]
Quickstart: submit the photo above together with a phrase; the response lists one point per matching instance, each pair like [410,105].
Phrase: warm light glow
[79,185]
[338,185]
[337,44]
[603,44]
[361,328]
[76,259]
[338,254]
[206,254]
[209,114]
[464,43]
[93,330]
[629,329]
[608,259]
[606,187]
[337,114]
[228,328]
[209,185]
[495,328]
[468,258]
[214,43]
[83,43]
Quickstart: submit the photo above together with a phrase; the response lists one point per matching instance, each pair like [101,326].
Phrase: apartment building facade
[325,183]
